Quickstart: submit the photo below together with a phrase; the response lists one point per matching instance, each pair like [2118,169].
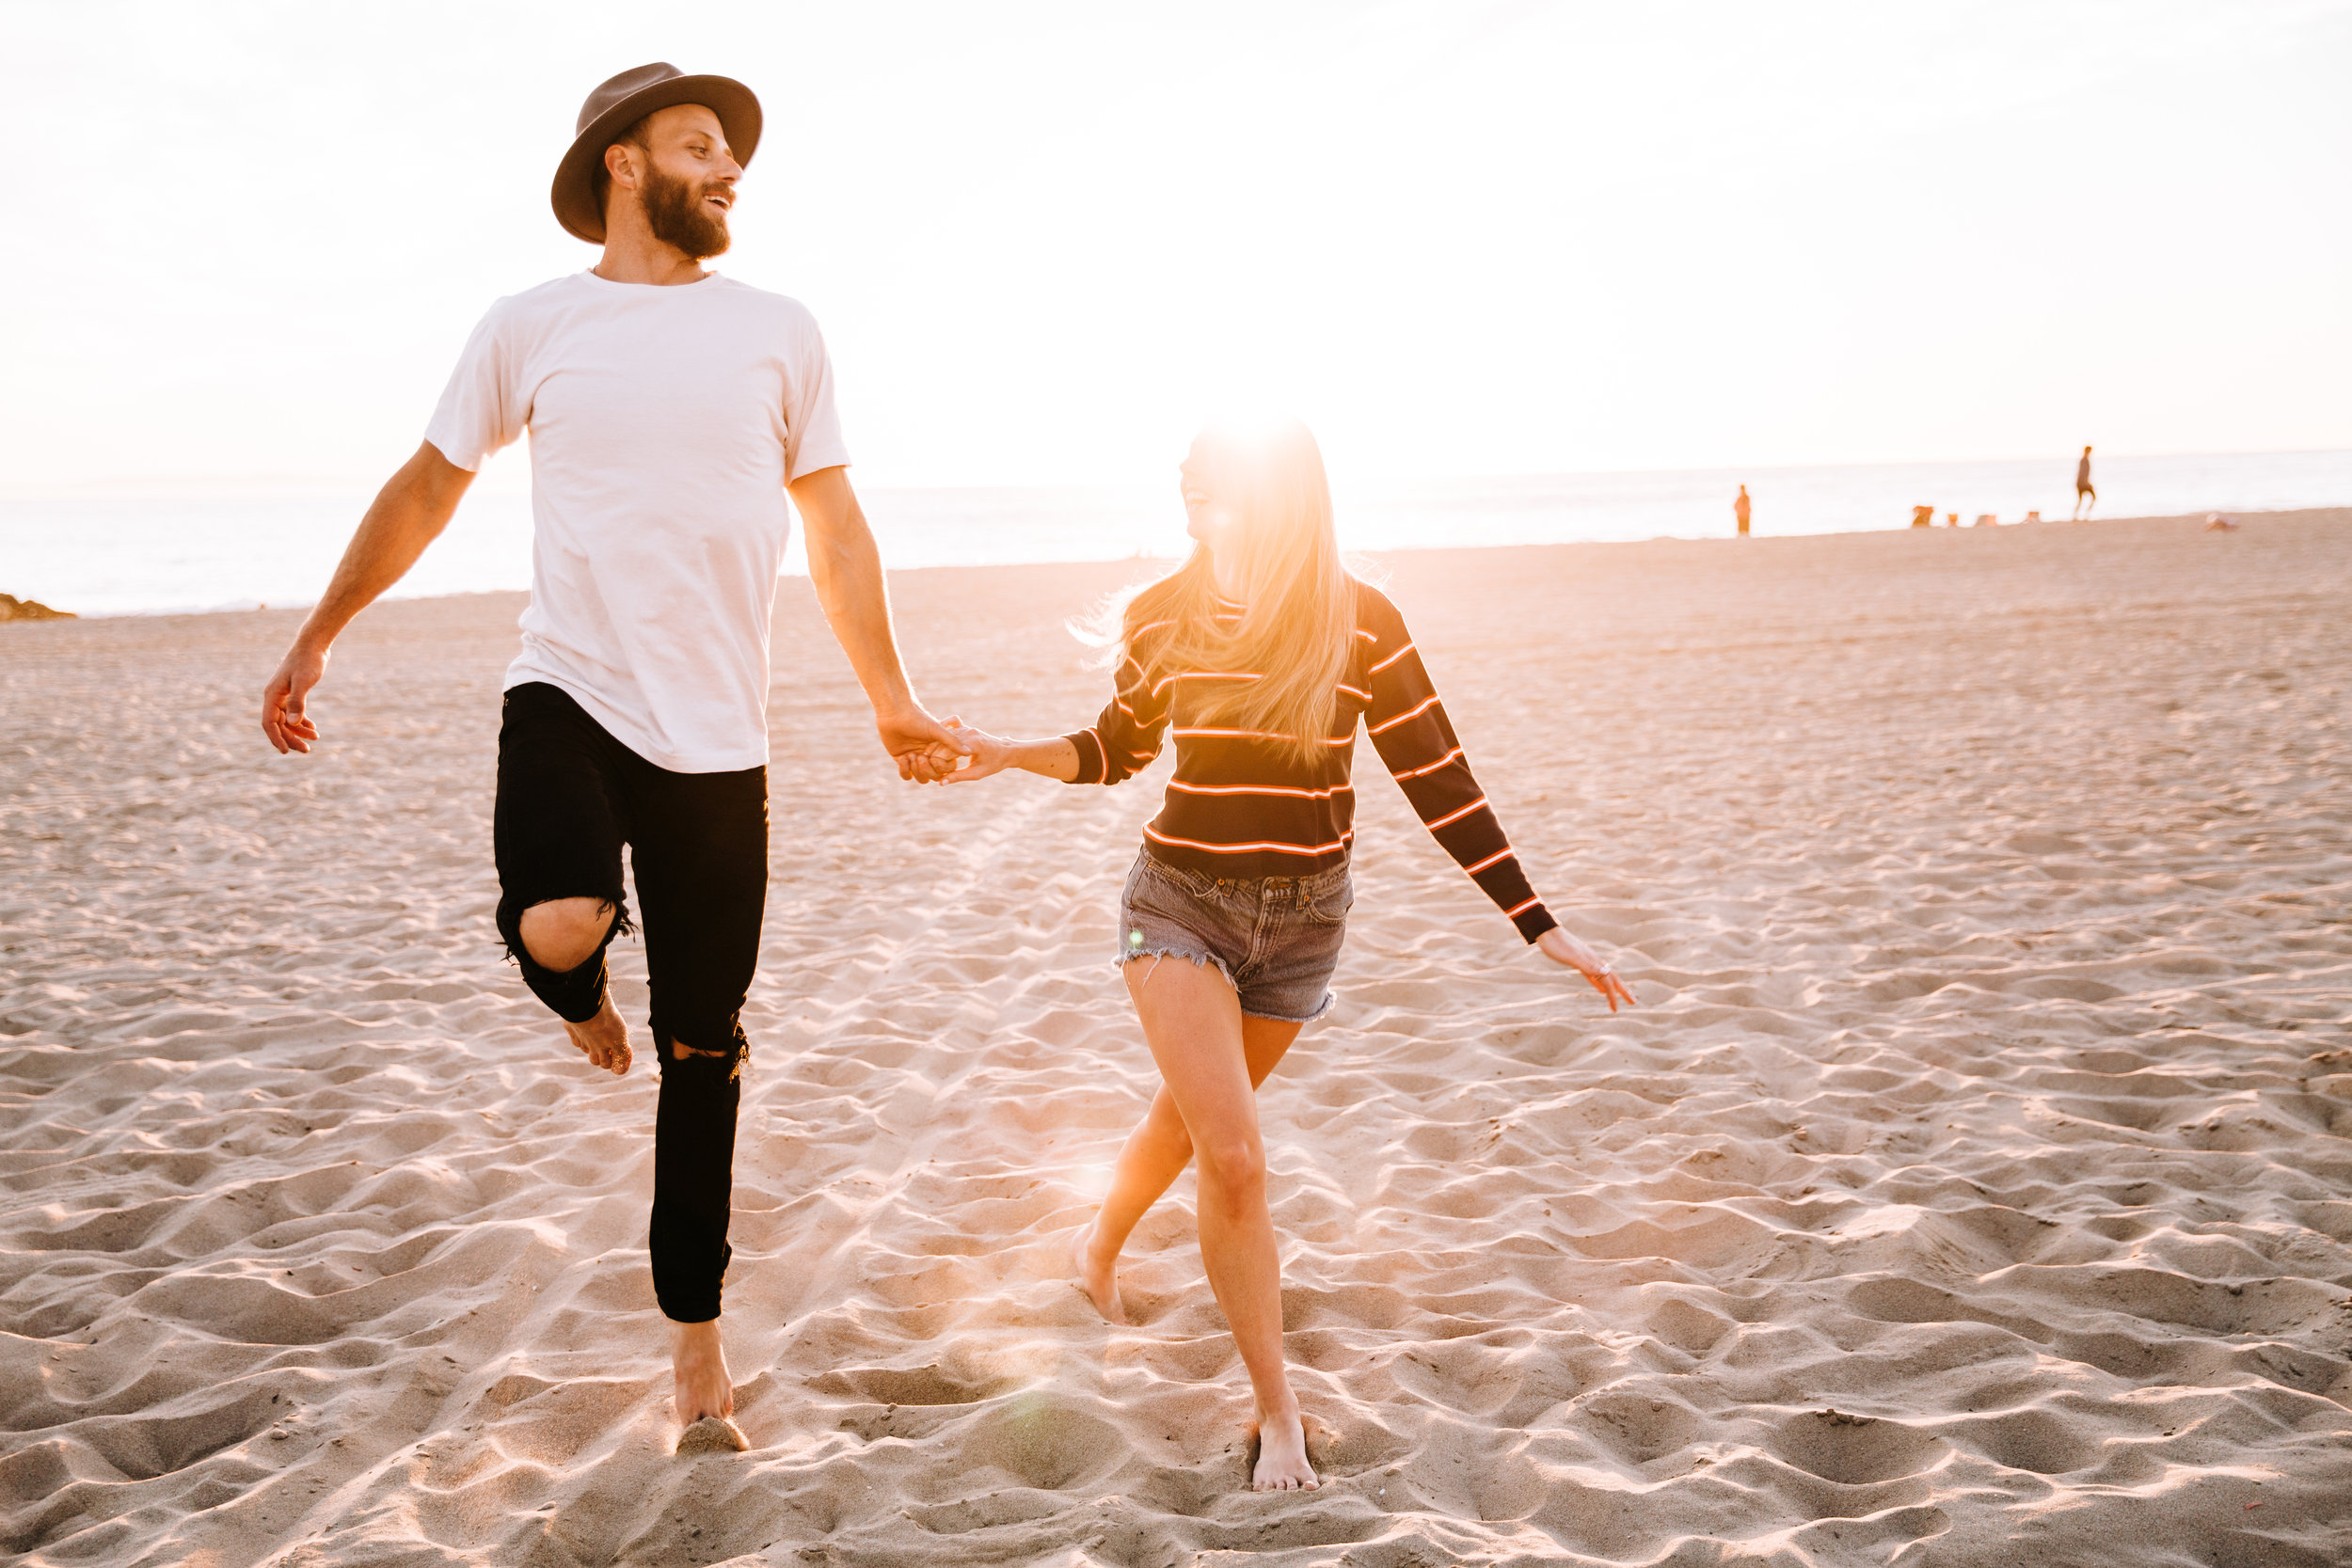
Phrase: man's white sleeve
[812,426]
[482,409]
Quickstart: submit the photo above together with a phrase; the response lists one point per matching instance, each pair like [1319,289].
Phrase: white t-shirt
[665,421]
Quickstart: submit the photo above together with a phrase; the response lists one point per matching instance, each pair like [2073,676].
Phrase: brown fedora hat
[621,102]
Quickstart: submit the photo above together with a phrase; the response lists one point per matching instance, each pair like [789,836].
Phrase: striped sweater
[1239,806]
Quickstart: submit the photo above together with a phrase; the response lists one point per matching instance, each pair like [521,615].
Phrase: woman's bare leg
[1193,1021]
[1155,1155]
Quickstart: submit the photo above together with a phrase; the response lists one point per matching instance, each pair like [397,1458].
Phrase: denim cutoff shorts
[1275,939]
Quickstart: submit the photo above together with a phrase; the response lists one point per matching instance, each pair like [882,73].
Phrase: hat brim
[574,196]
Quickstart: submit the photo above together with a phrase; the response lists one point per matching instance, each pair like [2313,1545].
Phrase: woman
[1261,656]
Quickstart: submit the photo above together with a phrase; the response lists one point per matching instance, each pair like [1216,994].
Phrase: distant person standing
[1740,510]
[2084,496]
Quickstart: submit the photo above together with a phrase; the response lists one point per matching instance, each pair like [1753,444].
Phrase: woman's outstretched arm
[1409,729]
[1122,740]
[1055,758]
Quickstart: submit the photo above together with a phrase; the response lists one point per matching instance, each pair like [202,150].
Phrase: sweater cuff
[1533,921]
[1091,768]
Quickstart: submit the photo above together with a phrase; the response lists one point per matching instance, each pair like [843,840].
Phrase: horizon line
[246,606]
[346,487]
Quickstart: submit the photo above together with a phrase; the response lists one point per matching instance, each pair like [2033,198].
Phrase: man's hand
[409,513]
[846,570]
[283,720]
[925,749]
[1575,953]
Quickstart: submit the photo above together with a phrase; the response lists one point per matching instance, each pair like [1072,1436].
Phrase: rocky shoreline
[14,608]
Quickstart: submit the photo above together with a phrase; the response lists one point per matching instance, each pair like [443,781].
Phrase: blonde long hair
[1296,632]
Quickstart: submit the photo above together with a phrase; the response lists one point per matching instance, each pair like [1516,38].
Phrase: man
[1740,510]
[669,410]
[2083,492]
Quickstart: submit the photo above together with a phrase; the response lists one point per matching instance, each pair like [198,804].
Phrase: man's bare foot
[603,1040]
[1098,1278]
[1282,1465]
[700,1369]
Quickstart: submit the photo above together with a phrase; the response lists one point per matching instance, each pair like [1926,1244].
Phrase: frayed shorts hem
[1202,958]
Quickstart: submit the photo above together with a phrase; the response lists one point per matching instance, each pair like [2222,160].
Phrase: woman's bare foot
[1282,1465]
[1099,1279]
[603,1040]
[713,1435]
[700,1369]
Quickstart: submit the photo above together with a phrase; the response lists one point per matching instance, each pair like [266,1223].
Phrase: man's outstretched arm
[409,514]
[847,571]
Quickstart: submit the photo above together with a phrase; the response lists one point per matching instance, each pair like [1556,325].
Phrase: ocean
[224,548]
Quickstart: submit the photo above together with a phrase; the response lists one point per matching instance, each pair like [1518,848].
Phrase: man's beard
[675,211]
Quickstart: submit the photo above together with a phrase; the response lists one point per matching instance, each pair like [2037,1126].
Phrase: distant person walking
[2085,496]
[1740,510]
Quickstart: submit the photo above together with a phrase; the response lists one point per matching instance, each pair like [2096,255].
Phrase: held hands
[964,755]
[926,751]
[990,754]
[1573,952]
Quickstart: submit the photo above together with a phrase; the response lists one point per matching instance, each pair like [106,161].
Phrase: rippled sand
[1974,1187]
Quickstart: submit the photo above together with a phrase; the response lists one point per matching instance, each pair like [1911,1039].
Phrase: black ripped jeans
[570,796]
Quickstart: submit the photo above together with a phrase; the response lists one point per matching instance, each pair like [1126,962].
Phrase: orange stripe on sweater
[1402,717]
[1262,735]
[1431,768]
[1245,848]
[1260,789]
[1205,675]
[1456,816]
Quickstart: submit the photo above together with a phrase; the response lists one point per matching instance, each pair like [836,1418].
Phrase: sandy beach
[1973,1186]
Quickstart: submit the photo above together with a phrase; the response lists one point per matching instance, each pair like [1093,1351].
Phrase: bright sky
[248,239]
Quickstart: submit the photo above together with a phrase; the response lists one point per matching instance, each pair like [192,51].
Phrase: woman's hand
[984,753]
[1575,953]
